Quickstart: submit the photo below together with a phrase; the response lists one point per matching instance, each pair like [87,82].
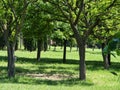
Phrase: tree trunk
[11,60]
[54,48]
[39,45]
[46,44]
[10,51]
[82,64]
[77,48]
[21,40]
[105,57]
[109,59]
[64,52]
[70,47]
[81,45]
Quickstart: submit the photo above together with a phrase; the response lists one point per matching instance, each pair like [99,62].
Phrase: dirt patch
[51,77]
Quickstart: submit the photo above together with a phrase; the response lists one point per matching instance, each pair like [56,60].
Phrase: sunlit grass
[51,64]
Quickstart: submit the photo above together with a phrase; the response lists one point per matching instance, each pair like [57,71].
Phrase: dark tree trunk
[81,45]
[109,59]
[77,48]
[10,51]
[70,47]
[61,45]
[11,60]
[82,64]
[46,44]
[55,47]
[49,46]
[64,52]
[105,57]
[39,45]
[49,43]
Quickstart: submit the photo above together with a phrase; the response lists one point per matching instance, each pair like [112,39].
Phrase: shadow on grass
[3,58]
[43,64]
[32,81]
[49,63]
[93,52]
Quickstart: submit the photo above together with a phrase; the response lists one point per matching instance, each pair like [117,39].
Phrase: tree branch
[79,12]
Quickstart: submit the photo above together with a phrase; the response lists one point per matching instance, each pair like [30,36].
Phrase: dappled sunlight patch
[51,76]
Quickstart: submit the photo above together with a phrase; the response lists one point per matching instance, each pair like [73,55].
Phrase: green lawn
[51,74]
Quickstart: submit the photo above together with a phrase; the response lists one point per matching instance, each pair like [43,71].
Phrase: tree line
[85,20]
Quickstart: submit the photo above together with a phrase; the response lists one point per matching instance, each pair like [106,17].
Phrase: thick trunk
[81,45]
[82,64]
[105,58]
[64,52]
[39,45]
[10,51]
[11,60]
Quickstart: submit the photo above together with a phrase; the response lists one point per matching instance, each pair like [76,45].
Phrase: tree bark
[105,57]
[70,47]
[82,60]
[64,52]
[46,44]
[39,45]
[11,60]
[10,51]
[55,47]
[81,40]
[109,59]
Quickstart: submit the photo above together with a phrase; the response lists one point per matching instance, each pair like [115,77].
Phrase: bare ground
[50,77]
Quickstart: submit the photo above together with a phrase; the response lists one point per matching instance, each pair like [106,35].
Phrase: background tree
[62,36]
[105,31]
[113,45]
[37,26]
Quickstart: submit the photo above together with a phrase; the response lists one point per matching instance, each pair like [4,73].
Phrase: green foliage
[37,24]
[29,44]
[113,45]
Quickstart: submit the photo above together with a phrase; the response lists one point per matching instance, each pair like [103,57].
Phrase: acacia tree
[83,17]
[13,15]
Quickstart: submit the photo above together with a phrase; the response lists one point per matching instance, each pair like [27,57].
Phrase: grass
[51,74]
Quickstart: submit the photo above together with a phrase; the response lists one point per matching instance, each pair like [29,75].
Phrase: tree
[83,17]
[113,45]
[37,26]
[29,44]
[105,31]
[61,36]
[12,18]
